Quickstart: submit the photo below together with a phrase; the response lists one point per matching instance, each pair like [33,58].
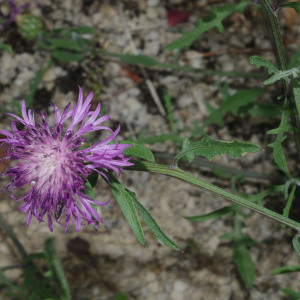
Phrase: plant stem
[296,243]
[200,183]
[157,64]
[13,237]
[271,19]
[204,164]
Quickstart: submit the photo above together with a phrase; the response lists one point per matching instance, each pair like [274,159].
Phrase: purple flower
[14,12]
[53,163]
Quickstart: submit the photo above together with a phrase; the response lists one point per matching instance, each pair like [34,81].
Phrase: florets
[53,163]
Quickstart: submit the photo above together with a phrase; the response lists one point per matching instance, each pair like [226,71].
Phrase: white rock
[24,77]
[152,13]
[152,3]
[152,35]
[49,75]
[177,296]
[27,60]
[96,291]
[112,69]
[8,61]
[152,48]
[180,286]
[195,59]
[4,248]
[168,80]
[185,100]
[134,92]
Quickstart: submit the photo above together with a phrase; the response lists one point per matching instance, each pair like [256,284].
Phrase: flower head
[53,163]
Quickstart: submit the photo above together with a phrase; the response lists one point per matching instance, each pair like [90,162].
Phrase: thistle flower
[53,163]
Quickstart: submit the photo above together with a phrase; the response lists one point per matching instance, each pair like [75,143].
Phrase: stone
[152,3]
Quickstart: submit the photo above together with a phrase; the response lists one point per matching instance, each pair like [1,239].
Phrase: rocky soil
[100,264]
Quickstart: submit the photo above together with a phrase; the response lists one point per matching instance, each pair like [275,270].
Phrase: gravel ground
[98,265]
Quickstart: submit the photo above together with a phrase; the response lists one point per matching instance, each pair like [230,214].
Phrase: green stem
[296,243]
[273,26]
[13,237]
[189,178]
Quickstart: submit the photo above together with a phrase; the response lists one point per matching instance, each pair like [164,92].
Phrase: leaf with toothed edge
[209,148]
[214,19]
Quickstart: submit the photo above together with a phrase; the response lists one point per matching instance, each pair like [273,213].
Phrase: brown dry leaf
[134,77]
[290,16]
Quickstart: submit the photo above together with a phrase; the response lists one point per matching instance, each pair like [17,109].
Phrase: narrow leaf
[121,296]
[293,295]
[139,59]
[56,268]
[278,153]
[215,214]
[231,104]
[6,47]
[93,179]
[126,204]
[168,105]
[69,31]
[296,92]
[66,57]
[244,263]
[294,5]
[265,110]
[149,220]
[64,43]
[138,150]
[287,208]
[294,73]
[295,60]
[90,192]
[286,269]
[33,84]
[83,30]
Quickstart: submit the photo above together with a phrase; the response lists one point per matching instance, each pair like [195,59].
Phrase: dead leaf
[290,16]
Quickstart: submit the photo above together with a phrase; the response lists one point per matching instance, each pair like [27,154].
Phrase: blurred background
[48,48]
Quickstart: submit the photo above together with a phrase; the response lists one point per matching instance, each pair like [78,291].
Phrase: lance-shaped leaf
[214,19]
[244,263]
[286,75]
[278,153]
[241,253]
[296,92]
[209,148]
[6,47]
[138,150]
[139,59]
[215,214]
[125,201]
[66,56]
[149,220]
[64,43]
[56,268]
[294,5]
[231,104]
[286,269]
